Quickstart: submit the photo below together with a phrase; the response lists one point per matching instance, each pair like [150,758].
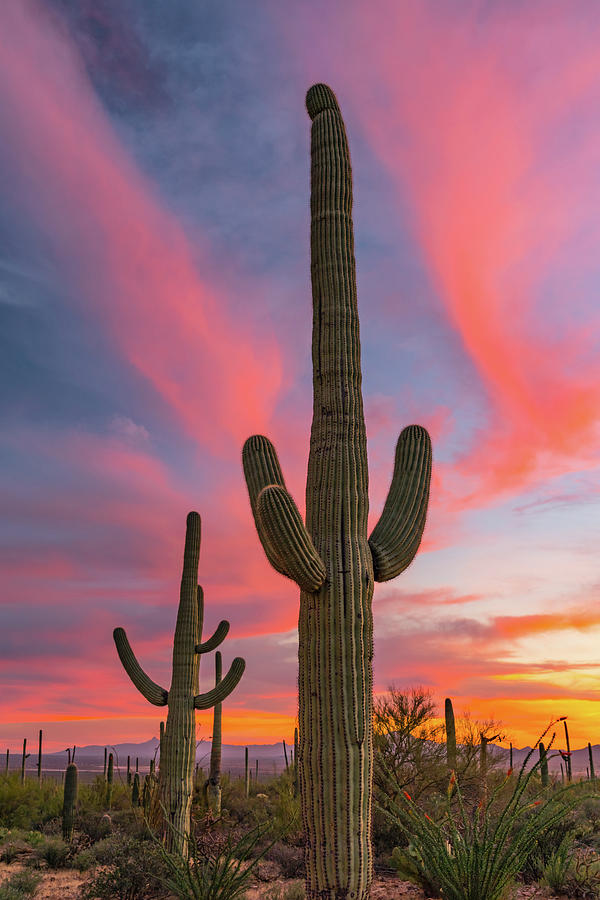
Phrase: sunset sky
[156,311]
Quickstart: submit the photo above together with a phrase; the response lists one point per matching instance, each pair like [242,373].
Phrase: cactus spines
[450,735]
[331,557]
[592,770]
[544,765]
[135,790]
[214,775]
[69,802]
[109,780]
[178,739]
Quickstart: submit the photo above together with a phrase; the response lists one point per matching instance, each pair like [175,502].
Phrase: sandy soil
[65,884]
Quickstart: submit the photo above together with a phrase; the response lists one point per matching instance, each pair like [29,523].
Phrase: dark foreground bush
[129,869]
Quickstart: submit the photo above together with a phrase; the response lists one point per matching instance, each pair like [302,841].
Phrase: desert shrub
[472,854]
[95,825]
[84,860]
[556,871]
[293,891]
[130,870]
[14,847]
[20,885]
[289,858]
[28,805]
[54,852]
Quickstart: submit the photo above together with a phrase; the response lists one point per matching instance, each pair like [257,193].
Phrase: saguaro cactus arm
[286,540]
[153,692]
[282,533]
[216,639]
[395,539]
[224,688]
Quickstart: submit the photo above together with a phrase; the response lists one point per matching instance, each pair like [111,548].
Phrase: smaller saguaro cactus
[135,791]
[129,771]
[214,774]
[510,756]
[568,756]
[23,758]
[450,735]
[178,741]
[105,761]
[592,770]
[246,774]
[109,780]
[69,802]
[544,765]
[285,756]
[39,762]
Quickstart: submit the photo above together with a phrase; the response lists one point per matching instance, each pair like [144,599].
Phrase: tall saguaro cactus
[178,743]
[332,558]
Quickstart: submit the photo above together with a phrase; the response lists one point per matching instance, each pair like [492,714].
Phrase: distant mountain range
[270,757]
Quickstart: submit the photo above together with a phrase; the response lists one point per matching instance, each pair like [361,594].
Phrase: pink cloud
[125,256]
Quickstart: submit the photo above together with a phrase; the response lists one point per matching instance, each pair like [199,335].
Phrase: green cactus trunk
[568,759]
[450,735]
[178,738]
[214,775]
[109,780]
[23,758]
[332,559]
[544,765]
[69,802]
[135,790]
[592,770]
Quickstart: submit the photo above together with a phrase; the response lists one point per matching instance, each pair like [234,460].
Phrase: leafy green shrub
[54,852]
[20,885]
[28,805]
[131,870]
[475,853]
[84,860]
[557,869]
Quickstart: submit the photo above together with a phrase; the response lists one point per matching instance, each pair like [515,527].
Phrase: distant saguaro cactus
[331,558]
[135,790]
[178,743]
[592,769]
[69,802]
[214,775]
[109,780]
[544,765]
[450,734]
